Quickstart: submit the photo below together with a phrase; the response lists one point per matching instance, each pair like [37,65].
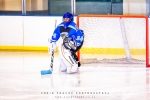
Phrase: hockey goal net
[114,39]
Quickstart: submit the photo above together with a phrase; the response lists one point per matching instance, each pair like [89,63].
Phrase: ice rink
[20,79]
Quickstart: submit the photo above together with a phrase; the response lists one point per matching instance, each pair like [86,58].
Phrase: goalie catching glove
[69,44]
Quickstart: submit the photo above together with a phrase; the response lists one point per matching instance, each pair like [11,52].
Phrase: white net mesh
[113,39]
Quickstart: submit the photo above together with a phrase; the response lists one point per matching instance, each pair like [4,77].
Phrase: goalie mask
[67,19]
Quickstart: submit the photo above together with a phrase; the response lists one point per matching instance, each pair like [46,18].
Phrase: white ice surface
[20,79]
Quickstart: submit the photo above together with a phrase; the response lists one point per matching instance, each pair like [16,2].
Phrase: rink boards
[31,33]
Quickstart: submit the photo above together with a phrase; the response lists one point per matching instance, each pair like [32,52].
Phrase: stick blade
[44,72]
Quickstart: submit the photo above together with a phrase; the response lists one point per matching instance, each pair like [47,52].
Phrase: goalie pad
[69,44]
[68,60]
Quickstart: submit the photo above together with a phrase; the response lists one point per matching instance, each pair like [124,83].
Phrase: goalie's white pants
[67,62]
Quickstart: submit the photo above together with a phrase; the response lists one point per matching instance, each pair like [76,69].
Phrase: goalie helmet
[70,16]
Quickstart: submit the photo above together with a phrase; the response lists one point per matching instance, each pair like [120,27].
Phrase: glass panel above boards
[8,7]
[99,7]
[59,7]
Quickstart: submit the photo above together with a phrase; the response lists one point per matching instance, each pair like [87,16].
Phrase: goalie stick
[52,59]
[44,72]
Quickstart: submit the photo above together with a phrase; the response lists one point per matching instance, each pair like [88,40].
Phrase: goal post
[147,43]
[114,39]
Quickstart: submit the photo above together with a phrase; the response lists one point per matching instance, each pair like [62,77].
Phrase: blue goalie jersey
[72,32]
